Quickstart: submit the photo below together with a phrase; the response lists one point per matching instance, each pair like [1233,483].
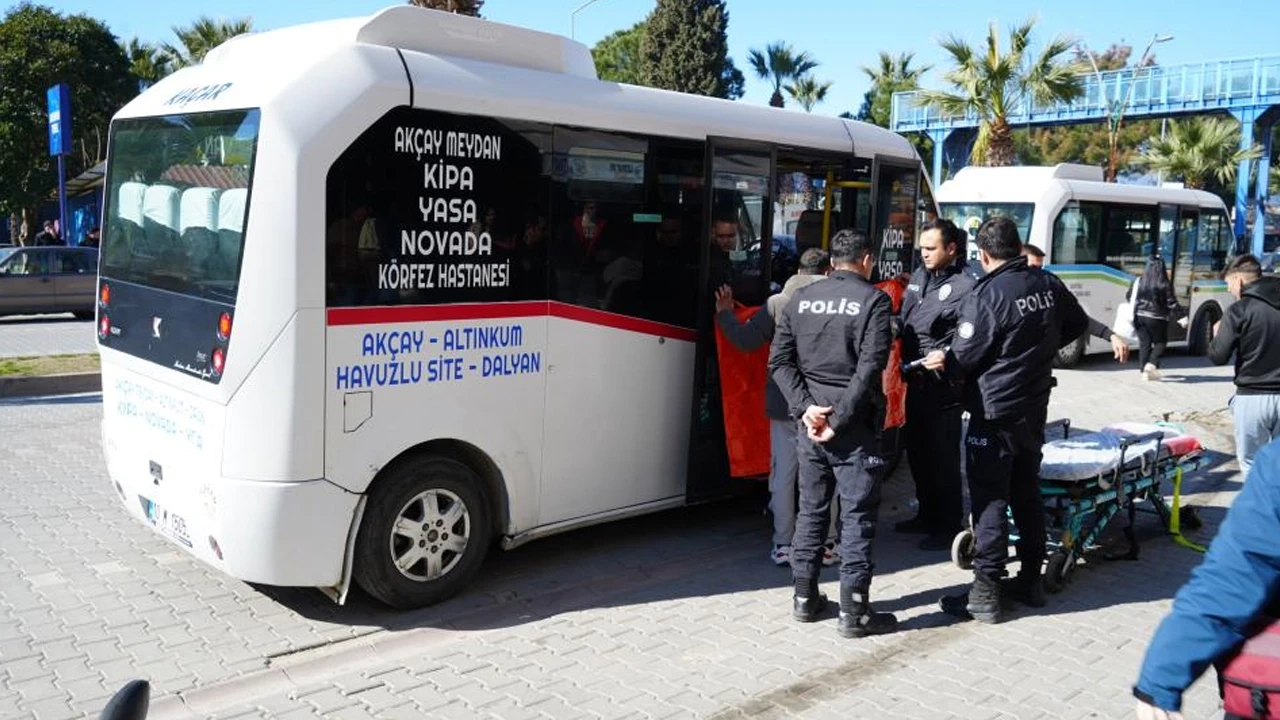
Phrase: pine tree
[685,48]
[461,7]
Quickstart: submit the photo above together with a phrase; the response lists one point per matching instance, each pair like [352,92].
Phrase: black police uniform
[1010,328]
[830,349]
[928,320]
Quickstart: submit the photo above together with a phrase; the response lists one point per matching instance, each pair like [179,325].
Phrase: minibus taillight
[104,326]
[219,360]
[224,327]
[104,295]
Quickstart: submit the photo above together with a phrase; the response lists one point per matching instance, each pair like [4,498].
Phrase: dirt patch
[48,365]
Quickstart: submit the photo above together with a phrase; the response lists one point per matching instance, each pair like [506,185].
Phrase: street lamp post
[573,17]
[1115,109]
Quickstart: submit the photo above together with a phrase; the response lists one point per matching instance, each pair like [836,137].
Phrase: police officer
[828,354]
[929,309]
[1010,327]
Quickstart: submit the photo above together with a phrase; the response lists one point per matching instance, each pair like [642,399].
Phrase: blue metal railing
[1157,91]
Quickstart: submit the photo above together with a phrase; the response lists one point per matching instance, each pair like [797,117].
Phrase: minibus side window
[427,207]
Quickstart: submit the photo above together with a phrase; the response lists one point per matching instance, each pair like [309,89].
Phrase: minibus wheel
[424,534]
[1071,355]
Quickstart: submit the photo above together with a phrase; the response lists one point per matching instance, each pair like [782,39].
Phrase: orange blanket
[742,380]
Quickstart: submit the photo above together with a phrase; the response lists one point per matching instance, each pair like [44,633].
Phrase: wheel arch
[492,483]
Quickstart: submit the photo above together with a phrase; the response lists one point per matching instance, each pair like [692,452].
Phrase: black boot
[1024,588]
[808,604]
[981,603]
[857,619]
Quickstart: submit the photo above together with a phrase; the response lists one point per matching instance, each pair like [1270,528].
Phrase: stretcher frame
[1077,512]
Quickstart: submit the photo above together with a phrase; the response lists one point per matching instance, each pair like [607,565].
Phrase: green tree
[893,74]
[1087,143]
[197,39]
[778,64]
[461,7]
[1203,152]
[993,84]
[685,48]
[40,48]
[617,56]
[808,92]
[147,63]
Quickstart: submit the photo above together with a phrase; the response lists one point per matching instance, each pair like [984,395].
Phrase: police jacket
[1010,328]
[830,349]
[1251,328]
[1213,612]
[930,306]
[758,331]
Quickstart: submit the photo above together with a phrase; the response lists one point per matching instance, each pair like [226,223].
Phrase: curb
[38,385]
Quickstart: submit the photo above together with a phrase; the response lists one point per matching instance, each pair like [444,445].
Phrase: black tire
[450,482]
[1057,572]
[962,549]
[1202,329]
[1071,355]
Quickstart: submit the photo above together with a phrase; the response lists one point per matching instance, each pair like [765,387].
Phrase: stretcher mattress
[1087,455]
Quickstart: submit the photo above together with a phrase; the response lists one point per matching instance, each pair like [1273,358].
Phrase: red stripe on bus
[495,311]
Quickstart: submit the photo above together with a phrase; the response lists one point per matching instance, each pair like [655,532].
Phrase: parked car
[38,280]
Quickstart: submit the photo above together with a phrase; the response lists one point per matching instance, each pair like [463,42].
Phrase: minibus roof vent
[435,32]
[1072,171]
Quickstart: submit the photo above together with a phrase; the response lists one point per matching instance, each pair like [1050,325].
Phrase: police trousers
[933,450]
[841,466]
[1003,463]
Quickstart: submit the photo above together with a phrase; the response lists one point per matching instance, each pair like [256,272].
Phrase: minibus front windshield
[177,199]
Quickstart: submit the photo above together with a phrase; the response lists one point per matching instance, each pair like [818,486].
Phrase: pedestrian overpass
[1248,89]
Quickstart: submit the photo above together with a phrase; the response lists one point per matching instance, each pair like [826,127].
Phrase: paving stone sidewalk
[678,615]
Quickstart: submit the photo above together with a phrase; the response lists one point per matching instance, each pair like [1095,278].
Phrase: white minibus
[1097,236]
[377,293]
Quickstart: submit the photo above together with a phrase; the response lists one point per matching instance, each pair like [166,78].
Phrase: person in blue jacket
[1239,577]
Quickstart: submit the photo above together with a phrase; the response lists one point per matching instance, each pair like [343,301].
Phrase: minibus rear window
[177,200]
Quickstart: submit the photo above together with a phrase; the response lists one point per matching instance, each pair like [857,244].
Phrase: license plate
[169,523]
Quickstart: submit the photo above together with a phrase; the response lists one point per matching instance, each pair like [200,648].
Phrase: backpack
[1250,678]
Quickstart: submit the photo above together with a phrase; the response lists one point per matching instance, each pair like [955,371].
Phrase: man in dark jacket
[1010,327]
[1250,330]
[929,309]
[783,429]
[828,358]
[1213,612]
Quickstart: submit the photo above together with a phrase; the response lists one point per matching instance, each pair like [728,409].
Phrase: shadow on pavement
[715,551]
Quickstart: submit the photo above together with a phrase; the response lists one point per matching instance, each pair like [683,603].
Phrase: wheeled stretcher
[1089,478]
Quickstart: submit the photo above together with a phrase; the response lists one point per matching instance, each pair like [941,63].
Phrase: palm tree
[808,92]
[461,7]
[1199,150]
[147,63]
[994,84]
[894,74]
[202,36]
[778,64]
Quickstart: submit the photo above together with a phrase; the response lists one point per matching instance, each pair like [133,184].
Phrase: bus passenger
[929,309]
[1010,327]
[783,429]
[828,357]
[1154,304]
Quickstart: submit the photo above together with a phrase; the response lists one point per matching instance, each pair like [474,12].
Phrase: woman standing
[1155,305]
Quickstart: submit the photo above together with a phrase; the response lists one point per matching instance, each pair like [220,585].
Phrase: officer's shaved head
[849,246]
[998,238]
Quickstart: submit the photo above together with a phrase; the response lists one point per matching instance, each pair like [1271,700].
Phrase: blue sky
[841,34]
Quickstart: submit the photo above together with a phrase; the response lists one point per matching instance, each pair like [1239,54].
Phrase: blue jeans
[1257,421]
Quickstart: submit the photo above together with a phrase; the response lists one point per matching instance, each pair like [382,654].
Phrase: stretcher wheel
[1057,572]
[962,549]
[1189,518]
